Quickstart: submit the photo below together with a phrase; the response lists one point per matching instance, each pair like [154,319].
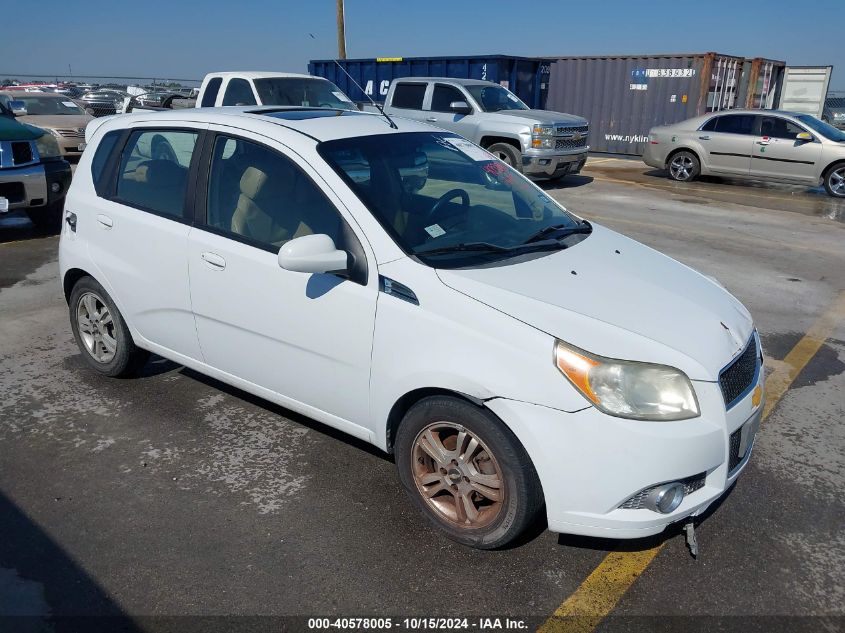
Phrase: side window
[153,173]
[710,126]
[735,124]
[238,92]
[257,194]
[99,162]
[408,96]
[209,97]
[444,95]
[779,128]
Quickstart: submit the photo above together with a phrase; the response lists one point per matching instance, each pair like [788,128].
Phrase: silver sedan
[758,144]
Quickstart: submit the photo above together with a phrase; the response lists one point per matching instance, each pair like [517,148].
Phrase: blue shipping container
[527,77]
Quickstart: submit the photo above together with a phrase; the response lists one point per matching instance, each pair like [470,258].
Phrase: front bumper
[590,463]
[70,146]
[24,186]
[551,164]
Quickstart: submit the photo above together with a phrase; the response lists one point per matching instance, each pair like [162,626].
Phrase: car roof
[28,93]
[319,124]
[449,80]
[258,74]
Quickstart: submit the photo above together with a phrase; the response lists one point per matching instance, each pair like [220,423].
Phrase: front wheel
[684,166]
[834,181]
[467,473]
[508,154]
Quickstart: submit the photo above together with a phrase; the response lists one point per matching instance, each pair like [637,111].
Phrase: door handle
[71,220]
[762,142]
[431,119]
[105,221]
[214,261]
[704,138]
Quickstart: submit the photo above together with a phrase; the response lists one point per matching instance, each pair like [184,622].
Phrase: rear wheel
[507,154]
[834,181]
[684,166]
[101,333]
[466,472]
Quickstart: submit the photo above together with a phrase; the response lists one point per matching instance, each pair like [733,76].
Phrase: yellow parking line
[600,592]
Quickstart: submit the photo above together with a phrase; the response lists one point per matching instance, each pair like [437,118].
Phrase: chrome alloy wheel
[96,327]
[504,157]
[457,475]
[836,180]
[681,167]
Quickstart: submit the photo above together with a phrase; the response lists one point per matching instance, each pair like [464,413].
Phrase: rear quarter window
[102,158]
[209,97]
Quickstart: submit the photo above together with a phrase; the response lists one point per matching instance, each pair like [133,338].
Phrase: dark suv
[33,175]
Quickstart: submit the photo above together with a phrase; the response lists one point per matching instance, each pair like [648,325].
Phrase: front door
[778,154]
[304,337]
[441,115]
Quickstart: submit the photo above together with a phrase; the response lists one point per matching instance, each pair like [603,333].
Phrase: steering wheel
[449,195]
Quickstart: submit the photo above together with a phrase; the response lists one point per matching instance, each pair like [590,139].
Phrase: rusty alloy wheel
[458,476]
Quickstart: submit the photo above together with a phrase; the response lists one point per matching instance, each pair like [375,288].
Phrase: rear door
[408,99]
[727,139]
[137,228]
[778,154]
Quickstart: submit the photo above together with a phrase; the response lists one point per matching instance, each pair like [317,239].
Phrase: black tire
[507,154]
[683,166]
[48,219]
[498,449]
[834,180]
[126,359]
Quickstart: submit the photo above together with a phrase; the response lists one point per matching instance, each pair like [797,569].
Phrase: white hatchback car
[398,283]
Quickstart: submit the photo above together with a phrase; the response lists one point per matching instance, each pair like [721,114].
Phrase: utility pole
[341,31]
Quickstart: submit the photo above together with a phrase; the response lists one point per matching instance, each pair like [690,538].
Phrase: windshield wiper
[485,247]
[559,231]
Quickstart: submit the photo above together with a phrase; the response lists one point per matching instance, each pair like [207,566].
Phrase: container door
[805,89]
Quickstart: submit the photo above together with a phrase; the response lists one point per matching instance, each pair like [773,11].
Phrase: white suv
[398,283]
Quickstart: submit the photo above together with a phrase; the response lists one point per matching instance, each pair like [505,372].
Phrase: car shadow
[568,182]
[43,589]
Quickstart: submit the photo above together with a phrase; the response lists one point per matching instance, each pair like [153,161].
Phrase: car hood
[63,121]
[543,116]
[12,130]
[617,298]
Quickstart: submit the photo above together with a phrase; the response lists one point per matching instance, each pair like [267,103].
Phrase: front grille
[22,153]
[67,133]
[583,129]
[691,484]
[737,377]
[12,191]
[570,143]
[733,451]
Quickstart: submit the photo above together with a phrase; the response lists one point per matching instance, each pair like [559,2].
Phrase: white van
[398,283]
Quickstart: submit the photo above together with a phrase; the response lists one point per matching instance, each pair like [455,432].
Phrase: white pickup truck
[539,143]
[256,88]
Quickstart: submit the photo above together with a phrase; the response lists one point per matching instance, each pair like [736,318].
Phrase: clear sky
[186,39]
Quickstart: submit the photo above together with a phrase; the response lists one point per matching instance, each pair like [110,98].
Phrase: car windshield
[449,202]
[495,98]
[43,105]
[825,129]
[302,92]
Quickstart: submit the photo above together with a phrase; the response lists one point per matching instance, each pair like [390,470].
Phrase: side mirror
[17,107]
[312,254]
[803,136]
[460,107]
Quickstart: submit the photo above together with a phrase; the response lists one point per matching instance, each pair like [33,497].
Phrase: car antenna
[376,105]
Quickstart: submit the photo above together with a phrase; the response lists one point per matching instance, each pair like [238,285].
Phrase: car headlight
[47,146]
[628,389]
[543,130]
[542,143]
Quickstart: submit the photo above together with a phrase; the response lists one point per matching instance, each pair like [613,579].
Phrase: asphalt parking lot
[172,494]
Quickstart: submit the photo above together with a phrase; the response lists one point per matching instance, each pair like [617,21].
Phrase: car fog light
[666,498]
[56,187]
